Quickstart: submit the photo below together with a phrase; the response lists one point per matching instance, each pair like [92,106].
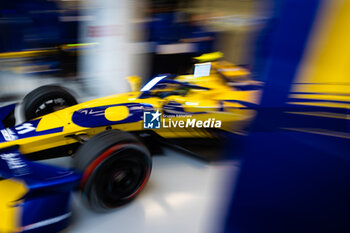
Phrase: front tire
[115,168]
[45,100]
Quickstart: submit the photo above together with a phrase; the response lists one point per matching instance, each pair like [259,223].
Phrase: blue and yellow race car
[110,140]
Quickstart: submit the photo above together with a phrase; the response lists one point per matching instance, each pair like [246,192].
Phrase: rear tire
[45,100]
[115,168]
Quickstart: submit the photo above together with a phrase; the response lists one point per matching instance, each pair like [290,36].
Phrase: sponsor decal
[25,128]
[8,135]
[15,163]
[14,134]
[151,120]
[154,120]
[13,160]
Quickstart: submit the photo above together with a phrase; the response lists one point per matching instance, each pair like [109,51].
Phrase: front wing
[34,196]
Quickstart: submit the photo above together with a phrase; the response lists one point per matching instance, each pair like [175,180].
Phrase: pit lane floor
[183,195]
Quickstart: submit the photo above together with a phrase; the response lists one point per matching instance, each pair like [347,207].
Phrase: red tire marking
[97,161]
[100,159]
[142,185]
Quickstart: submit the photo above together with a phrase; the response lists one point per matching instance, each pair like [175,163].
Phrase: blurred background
[91,46]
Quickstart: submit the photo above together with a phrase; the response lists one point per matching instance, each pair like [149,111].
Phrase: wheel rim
[121,177]
[51,105]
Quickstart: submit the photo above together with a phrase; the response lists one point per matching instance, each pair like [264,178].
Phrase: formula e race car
[110,140]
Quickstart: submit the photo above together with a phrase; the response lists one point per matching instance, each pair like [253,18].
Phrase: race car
[110,139]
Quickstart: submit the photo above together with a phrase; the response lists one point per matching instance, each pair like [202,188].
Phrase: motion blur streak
[296,176]
[324,76]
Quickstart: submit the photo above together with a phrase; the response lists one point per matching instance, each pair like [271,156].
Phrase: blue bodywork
[95,117]
[25,130]
[46,205]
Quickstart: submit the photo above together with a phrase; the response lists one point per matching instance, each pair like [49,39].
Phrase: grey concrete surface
[183,195]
